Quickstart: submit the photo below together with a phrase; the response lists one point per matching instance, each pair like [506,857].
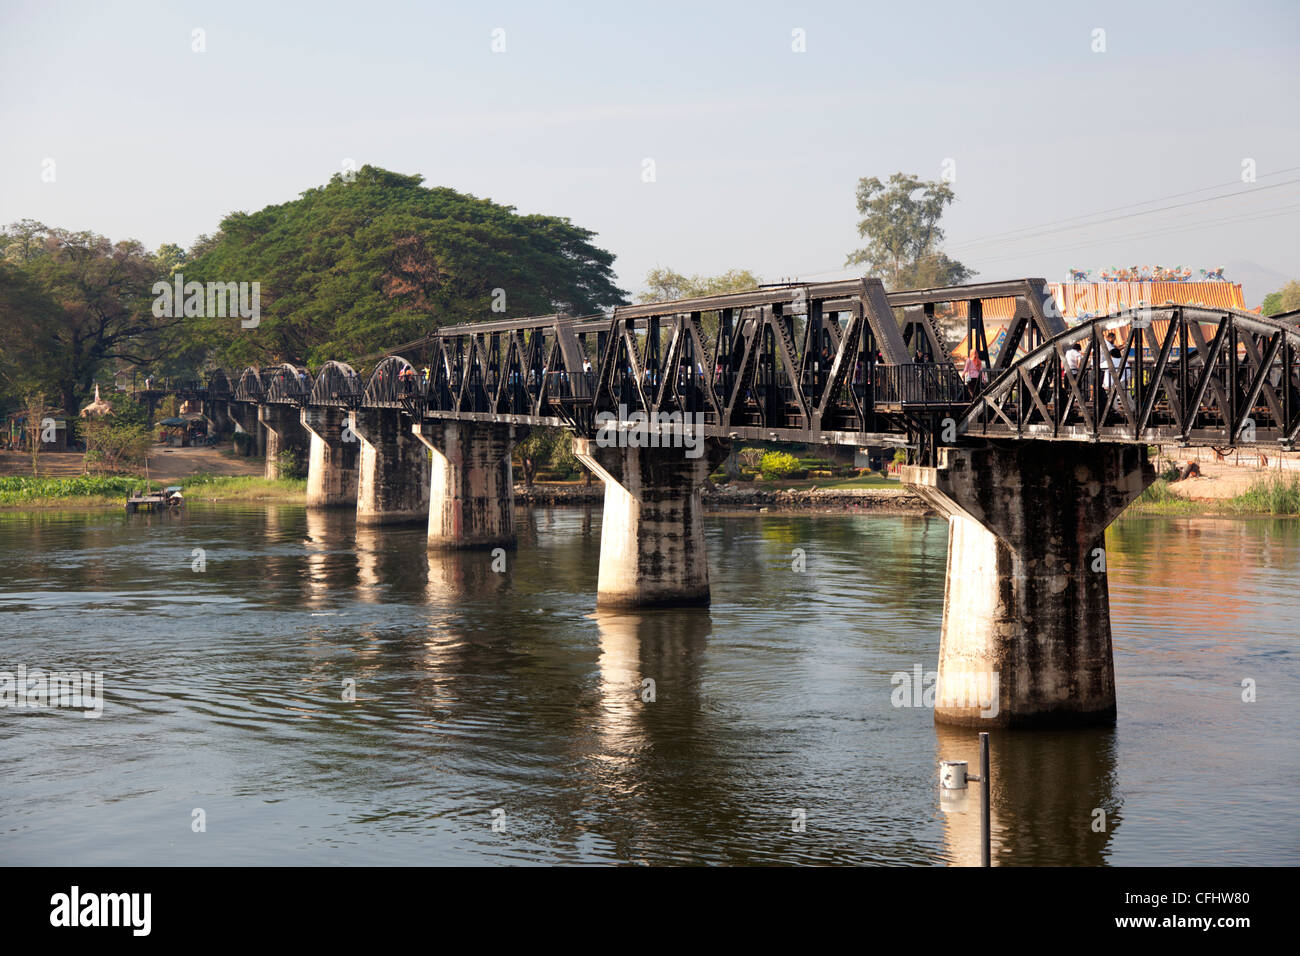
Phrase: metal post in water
[952,788]
[984,800]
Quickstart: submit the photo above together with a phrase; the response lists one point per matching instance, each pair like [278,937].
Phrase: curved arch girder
[287,384]
[250,387]
[1183,374]
[337,383]
[393,384]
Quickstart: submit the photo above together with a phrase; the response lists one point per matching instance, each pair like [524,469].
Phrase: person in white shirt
[1074,358]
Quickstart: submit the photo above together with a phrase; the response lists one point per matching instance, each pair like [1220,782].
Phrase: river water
[498,717]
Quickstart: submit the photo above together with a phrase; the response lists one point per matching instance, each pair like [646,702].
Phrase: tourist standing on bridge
[1112,349]
[973,372]
[1073,360]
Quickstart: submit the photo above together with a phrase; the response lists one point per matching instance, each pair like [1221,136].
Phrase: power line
[1102,212]
[1145,212]
[1254,216]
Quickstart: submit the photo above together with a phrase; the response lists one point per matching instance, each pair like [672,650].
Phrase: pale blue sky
[757,149]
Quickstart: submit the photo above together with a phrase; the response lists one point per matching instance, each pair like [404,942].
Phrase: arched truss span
[287,384]
[219,385]
[338,384]
[251,387]
[393,384]
[1168,374]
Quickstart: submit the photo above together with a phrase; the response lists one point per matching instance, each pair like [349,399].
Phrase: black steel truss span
[287,385]
[337,384]
[819,362]
[251,386]
[1168,374]
[844,362]
[394,383]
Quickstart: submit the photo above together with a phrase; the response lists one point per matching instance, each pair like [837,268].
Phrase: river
[499,717]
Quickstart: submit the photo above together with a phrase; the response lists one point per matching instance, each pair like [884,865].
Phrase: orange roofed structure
[1083,300]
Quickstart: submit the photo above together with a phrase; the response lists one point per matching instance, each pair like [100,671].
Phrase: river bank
[92,492]
[750,497]
[1268,495]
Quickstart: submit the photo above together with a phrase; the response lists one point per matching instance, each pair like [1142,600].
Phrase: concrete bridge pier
[218,413]
[652,532]
[332,461]
[1026,611]
[471,491]
[284,433]
[244,415]
[392,468]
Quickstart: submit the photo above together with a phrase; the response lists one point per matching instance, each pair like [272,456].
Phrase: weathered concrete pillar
[332,462]
[652,533]
[218,413]
[244,415]
[284,433]
[1026,613]
[392,468]
[471,490]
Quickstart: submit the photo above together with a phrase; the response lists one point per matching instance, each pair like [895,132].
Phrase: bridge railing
[919,383]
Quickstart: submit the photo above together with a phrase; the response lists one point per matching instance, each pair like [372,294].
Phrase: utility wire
[1102,212]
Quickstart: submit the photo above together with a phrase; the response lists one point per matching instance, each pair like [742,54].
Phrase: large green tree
[72,304]
[372,261]
[900,222]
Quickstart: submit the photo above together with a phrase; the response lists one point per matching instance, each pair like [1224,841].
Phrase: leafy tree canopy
[72,303]
[1285,299]
[900,221]
[663,285]
[373,261]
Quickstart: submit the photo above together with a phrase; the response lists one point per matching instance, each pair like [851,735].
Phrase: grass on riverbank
[1270,495]
[800,484]
[98,491]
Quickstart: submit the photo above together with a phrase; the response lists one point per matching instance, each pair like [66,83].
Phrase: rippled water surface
[487,697]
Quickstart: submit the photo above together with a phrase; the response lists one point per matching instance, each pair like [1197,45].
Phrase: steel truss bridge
[841,363]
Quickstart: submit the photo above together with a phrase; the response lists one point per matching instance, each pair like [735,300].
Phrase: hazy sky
[756,148]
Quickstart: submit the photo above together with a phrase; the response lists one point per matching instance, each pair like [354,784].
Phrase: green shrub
[293,465]
[779,464]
